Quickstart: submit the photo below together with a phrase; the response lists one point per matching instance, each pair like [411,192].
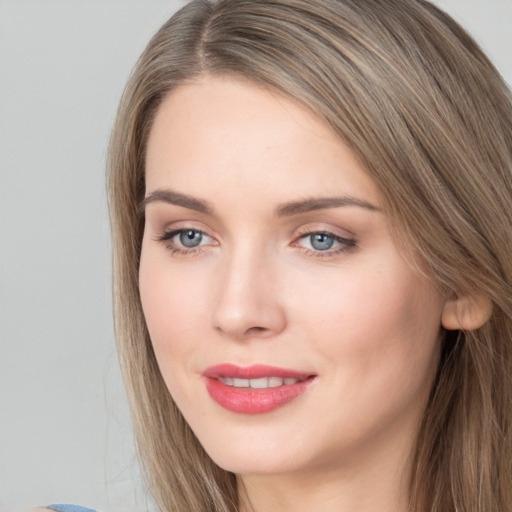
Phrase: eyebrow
[178,199]
[284,210]
[320,203]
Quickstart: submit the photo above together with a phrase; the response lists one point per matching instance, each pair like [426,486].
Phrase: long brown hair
[431,120]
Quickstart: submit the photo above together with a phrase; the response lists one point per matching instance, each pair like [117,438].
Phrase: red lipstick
[254,389]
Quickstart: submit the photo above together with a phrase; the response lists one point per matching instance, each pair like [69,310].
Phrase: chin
[251,464]
[247,456]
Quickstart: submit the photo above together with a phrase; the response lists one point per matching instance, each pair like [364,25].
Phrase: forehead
[219,133]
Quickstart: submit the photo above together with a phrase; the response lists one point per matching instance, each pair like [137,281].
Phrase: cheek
[374,325]
[377,337]
[368,300]
[172,304]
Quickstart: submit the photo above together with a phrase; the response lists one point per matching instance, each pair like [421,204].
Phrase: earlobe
[467,312]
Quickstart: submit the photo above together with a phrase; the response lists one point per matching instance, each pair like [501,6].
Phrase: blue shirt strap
[69,508]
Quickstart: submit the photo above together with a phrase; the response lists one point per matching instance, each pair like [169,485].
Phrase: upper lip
[256,371]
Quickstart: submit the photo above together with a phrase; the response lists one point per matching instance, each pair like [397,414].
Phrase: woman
[311,212]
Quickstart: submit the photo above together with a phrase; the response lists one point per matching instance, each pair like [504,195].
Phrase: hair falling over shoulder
[430,119]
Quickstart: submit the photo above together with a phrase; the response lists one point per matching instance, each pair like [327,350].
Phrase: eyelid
[166,226]
[312,229]
[321,227]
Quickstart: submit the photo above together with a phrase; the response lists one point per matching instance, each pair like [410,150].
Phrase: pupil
[190,238]
[321,242]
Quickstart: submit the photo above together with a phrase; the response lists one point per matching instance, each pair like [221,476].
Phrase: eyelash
[346,244]
[167,238]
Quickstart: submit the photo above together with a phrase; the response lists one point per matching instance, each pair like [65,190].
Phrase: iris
[321,241]
[191,238]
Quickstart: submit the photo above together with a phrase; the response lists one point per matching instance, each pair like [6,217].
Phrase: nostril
[256,330]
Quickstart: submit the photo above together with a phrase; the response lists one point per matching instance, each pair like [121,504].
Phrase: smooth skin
[236,268]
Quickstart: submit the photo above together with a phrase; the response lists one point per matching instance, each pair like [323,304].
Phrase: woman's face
[289,330]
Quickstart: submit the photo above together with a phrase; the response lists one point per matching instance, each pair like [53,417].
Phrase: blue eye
[185,241]
[190,238]
[324,244]
[321,241]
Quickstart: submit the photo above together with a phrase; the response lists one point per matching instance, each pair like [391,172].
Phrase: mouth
[255,389]
[263,383]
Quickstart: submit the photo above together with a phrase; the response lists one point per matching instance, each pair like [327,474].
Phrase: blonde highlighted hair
[431,120]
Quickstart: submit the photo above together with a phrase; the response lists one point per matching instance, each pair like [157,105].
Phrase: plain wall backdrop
[65,433]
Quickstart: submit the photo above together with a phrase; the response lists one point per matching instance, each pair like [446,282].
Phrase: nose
[248,300]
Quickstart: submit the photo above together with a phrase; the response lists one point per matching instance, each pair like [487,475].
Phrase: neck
[367,483]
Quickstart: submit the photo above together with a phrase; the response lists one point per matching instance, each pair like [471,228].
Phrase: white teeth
[259,383]
[263,383]
[275,382]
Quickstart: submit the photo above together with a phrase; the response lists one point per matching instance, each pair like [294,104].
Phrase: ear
[467,312]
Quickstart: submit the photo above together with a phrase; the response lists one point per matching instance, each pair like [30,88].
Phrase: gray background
[64,427]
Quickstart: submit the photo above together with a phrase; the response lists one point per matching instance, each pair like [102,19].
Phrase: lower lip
[254,401]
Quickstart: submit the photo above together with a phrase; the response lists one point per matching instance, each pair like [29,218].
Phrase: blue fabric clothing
[69,508]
